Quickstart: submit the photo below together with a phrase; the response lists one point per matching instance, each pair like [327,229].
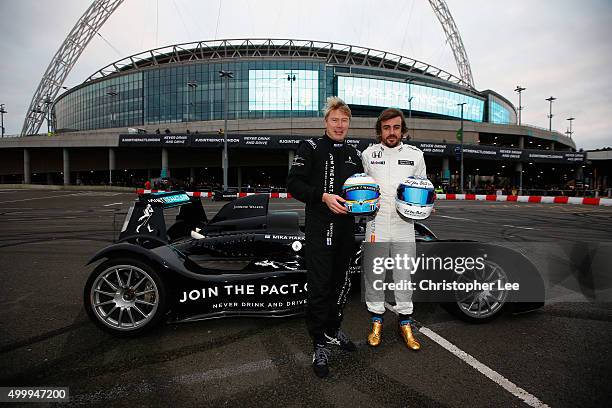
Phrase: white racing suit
[392,233]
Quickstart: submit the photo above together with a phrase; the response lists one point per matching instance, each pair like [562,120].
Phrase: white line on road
[40,219]
[99,193]
[453,218]
[119,391]
[108,205]
[491,374]
[515,226]
[38,198]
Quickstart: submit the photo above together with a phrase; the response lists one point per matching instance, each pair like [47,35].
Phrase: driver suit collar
[333,142]
[397,148]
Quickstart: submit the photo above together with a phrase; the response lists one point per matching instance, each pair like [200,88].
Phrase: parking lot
[559,355]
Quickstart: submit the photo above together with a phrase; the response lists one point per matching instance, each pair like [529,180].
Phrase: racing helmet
[415,198]
[362,194]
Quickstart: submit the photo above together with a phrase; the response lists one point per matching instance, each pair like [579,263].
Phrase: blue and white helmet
[362,194]
[415,198]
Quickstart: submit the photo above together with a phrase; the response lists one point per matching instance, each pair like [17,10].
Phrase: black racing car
[247,261]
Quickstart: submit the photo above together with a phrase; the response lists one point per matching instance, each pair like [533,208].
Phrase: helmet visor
[361,193]
[415,195]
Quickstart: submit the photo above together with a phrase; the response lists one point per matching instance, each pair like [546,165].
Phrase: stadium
[163,111]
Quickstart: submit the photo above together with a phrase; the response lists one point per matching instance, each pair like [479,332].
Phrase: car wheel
[125,297]
[480,306]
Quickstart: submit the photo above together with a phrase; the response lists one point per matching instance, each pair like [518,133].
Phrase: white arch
[454,39]
[64,59]
[100,10]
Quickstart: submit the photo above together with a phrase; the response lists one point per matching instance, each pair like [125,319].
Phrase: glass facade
[195,92]
[384,93]
[500,112]
[260,89]
[281,90]
[115,102]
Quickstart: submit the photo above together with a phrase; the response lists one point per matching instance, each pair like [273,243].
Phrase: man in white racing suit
[390,162]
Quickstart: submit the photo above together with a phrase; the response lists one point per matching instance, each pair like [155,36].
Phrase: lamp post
[461,104]
[193,85]
[227,75]
[39,111]
[550,114]
[2,112]
[48,101]
[570,132]
[409,82]
[291,78]
[112,93]
[519,89]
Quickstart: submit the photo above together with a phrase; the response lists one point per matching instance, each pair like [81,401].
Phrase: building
[161,111]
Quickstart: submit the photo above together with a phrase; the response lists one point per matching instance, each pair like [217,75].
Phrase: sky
[559,48]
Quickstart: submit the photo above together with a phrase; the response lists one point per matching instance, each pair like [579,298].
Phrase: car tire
[509,266]
[480,306]
[125,297]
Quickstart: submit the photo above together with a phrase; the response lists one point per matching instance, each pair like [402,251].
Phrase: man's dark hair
[386,115]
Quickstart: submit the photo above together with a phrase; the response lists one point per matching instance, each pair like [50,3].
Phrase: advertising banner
[284,142]
[213,141]
[140,140]
[422,98]
[283,90]
[547,156]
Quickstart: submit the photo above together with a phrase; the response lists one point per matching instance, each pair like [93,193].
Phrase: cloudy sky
[559,48]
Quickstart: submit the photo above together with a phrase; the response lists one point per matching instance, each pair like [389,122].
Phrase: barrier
[466,197]
[527,199]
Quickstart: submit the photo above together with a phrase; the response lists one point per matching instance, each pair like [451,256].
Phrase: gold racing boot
[406,333]
[375,336]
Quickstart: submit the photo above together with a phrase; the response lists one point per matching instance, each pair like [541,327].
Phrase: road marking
[119,391]
[454,218]
[99,193]
[491,374]
[38,198]
[515,226]
[82,194]
[42,219]
[108,205]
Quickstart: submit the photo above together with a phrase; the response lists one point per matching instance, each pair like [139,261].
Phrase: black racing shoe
[341,340]
[320,359]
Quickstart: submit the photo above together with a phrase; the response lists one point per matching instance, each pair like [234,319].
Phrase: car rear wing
[145,218]
[168,199]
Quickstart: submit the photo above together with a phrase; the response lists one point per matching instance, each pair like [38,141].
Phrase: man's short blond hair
[334,103]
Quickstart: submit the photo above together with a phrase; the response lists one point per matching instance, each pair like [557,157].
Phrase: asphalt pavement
[559,355]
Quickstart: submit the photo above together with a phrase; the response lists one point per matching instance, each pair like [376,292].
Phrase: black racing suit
[322,166]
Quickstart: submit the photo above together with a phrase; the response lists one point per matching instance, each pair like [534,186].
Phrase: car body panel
[245,261]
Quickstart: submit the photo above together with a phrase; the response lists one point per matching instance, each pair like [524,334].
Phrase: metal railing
[540,192]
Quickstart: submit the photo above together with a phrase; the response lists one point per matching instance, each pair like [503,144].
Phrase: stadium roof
[330,52]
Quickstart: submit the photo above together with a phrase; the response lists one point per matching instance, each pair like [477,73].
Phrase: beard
[391,142]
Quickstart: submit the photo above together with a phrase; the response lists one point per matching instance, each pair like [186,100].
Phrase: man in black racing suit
[320,168]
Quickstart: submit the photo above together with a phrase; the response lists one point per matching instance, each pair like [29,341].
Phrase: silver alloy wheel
[480,304]
[124,297]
